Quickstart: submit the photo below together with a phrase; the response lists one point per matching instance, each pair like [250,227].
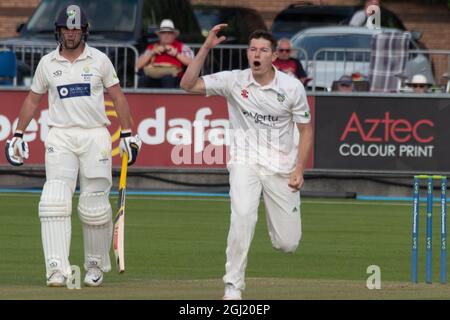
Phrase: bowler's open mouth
[257,63]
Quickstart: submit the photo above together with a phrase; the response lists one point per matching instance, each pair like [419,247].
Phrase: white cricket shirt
[75,90]
[262,118]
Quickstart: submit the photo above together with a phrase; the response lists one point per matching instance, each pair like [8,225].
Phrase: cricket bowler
[264,106]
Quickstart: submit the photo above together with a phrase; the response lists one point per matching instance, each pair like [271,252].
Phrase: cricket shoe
[94,277]
[56,279]
[232,293]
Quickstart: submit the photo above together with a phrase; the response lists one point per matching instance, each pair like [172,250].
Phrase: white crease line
[175,198]
[331,202]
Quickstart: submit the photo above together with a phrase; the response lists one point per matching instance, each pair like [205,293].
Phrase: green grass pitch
[175,249]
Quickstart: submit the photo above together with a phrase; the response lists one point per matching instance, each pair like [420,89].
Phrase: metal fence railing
[230,57]
[325,67]
[124,59]
[329,64]
[223,57]
[302,55]
[440,64]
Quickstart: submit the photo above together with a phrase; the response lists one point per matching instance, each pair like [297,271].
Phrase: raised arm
[191,81]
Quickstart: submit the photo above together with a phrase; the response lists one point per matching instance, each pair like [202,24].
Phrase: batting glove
[131,145]
[16,149]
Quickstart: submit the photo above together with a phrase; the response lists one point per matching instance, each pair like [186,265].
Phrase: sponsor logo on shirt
[307,114]
[267,120]
[74,90]
[57,73]
[51,149]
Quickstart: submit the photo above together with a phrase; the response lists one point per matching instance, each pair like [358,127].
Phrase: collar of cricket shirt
[87,52]
[274,85]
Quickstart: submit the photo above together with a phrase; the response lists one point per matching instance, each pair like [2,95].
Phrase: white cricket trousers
[71,153]
[282,215]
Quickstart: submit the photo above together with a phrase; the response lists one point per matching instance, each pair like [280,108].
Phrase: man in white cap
[419,84]
[163,62]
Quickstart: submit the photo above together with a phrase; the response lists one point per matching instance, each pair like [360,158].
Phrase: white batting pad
[95,213]
[94,208]
[55,209]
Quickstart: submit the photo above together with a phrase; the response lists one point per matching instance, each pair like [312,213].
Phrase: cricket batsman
[78,144]
[264,106]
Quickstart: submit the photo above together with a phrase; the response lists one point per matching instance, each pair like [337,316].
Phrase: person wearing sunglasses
[287,64]
[419,84]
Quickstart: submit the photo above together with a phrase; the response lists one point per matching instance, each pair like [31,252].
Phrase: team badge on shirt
[244,93]
[281,97]
[86,74]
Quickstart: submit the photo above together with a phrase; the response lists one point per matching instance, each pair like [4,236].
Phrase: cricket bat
[119,221]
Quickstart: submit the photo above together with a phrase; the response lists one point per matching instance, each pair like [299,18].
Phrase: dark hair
[258,34]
